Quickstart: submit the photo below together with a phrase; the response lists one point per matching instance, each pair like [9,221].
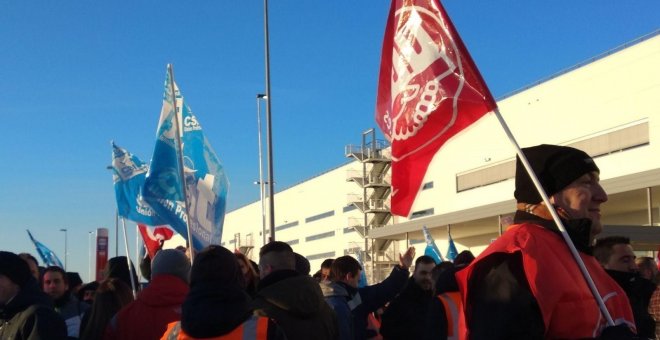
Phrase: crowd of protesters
[525,285]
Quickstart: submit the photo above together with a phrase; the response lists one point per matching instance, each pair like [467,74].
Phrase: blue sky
[75,75]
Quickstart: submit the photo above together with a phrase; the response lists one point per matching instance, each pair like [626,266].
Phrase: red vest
[568,309]
[253,328]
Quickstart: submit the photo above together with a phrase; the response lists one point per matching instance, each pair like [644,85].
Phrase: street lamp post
[110,167]
[269,135]
[261,169]
[91,253]
[65,246]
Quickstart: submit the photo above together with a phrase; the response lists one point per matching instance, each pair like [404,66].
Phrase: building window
[320,236]
[330,254]
[286,226]
[421,213]
[428,185]
[232,241]
[349,230]
[415,241]
[349,208]
[222,244]
[292,242]
[320,216]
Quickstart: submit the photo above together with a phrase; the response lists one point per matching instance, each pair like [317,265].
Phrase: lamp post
[261,169]
[65,246]
[91,254]
[269,136]
[110,167]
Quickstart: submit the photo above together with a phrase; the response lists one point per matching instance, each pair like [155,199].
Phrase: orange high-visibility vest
[568,308]
[453,310]
[254,328]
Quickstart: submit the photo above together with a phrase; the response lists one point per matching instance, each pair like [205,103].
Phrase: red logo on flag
[429,90]
[153,237]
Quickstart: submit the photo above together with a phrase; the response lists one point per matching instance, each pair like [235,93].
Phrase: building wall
[608,94]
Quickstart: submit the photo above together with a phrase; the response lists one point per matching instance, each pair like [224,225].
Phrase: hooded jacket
[296,303]
[148,316]
[30,315]
[210,310]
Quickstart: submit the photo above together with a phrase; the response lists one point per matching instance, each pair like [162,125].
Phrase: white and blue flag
[205,180]
[47,255]
[431,248]
[452,252]
[128,176]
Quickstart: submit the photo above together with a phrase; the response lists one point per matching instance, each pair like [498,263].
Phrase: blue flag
[205,180]
[47,255]
[431,249]
[362,282]
[128,176]
[451,250]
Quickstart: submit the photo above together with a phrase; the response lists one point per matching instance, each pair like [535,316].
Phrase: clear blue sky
[75,75]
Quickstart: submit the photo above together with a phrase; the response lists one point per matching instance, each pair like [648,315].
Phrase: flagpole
[128,259]
[555,217]
[170,70]
[138,258]
[269,135]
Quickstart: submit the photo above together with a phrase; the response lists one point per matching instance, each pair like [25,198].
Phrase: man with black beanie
[526,284]
[25,312]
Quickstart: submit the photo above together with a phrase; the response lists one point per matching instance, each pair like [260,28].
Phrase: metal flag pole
[116,231]
[138,258]
[555,217]
[269,135]
[128,259]
[261,169]
[170,70]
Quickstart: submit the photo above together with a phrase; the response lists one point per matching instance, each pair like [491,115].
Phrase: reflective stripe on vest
[452,303]
[254,328]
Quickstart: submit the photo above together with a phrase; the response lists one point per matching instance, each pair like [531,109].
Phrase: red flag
[429,90]
[153,237]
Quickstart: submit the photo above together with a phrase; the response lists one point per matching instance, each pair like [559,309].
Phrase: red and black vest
[567,306]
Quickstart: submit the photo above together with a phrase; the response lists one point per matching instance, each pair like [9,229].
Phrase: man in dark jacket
[404,318]
[352,304]
[293,300]
[55,283]
[157,305]
[526,284]
[25,311]
[617,257]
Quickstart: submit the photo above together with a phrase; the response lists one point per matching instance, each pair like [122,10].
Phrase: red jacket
[568,309]
[148,316]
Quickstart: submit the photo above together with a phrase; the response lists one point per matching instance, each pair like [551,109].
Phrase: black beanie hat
[14,268]
[556,167]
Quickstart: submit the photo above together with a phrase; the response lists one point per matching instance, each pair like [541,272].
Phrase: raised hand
[406,260]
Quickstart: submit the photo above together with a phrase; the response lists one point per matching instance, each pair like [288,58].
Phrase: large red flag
[429,90]
[153,237]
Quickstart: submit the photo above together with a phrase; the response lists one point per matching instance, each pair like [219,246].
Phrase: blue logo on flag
[205,180]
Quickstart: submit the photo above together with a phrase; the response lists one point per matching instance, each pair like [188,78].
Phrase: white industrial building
[608,107]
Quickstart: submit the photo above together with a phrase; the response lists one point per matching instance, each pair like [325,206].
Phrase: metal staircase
[373,202]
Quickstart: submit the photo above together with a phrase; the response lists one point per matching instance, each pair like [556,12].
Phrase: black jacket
[639,291]
[30,315]
[296,303]
[405,316]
